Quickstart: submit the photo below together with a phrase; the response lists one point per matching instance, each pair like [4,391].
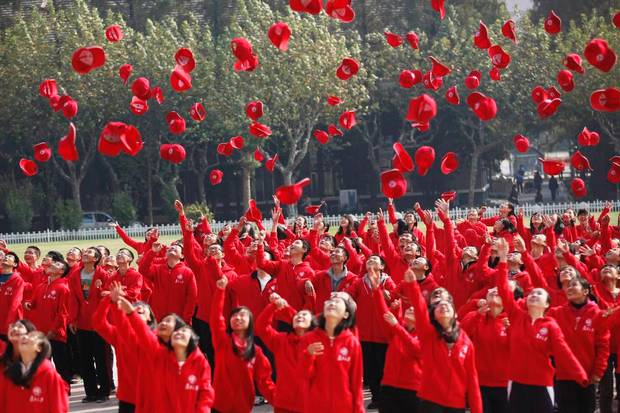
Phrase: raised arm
[101,324]
[136,245]
[216,319]
[414,294]
[501,274]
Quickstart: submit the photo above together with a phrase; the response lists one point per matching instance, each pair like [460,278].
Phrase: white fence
[333,220]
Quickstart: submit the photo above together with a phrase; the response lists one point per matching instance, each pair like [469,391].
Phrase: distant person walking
[538,181]
[553,187]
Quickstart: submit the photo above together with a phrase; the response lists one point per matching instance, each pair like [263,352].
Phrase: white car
[96,219]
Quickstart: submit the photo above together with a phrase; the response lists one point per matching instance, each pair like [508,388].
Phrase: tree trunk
[201,175]
[115,185]
[149,194]
[287,178]
[473,174]
[75,189]
[246,179]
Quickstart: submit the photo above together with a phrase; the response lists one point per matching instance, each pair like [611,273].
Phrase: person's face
[537,219]
[143,312]
[514,258]
[470,253]
[419,264]
[344,222]
[472,215]
[89,256]
[504,209]
[29,343]
[302,320]
[250,251]
[410,315]
[151,233]
[409,219]
[374,263]
[575,291]
[109,263]
[439,294]
[165,327]
[498,226]
[216,251]
[122,258]
[74,255]
[337,256]
[539,298]
[209,239]
[8,261]
[609,272]
[493,298]
[567,274]
[240,321]
[297,247]
[613,256]
[15,333]
[582,218]
[335,308]
[55,269]
[174,252]
[30,255]
[326,244]
[444,310]
[539,241]
[300,221]
[181,337]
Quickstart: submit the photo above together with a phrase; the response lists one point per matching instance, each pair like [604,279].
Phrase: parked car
[96,219]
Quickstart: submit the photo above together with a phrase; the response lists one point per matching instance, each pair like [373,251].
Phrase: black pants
[60,356]
[203,330]
[606,386]
[494,399]
[395,400]
[430,407]
[373,355]
[124,407]
[94,359]
[74,353]
[572,398]
[525,398]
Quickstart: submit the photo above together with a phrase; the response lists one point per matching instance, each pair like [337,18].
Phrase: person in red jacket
[346,228]
[11,351]
[242,366]
[31,256]
[150,236]
[534,338]
[33,384]
[128,277]
[331,362]
[11,292]
[74,256]
[587,335]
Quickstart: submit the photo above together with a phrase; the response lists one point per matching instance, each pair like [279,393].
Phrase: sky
[521,4]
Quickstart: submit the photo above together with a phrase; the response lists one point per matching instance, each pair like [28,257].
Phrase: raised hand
[316,349]
[222,283]
[390,319]
[178,205]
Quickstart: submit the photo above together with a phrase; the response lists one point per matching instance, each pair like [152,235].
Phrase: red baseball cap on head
[254,110]
[138,106]
[141,88]
[215,177]
[290,194]
[413,40]
[495,74]
[185,58]
[606,100]
[48,88]
[393,39]
[42,152]
[176,123]
[340,10]
[334,100]
[306,6]
[321,136]
[172,152]
[348,68]
[180,80]
[587,138]
[114,33]
[472,81]
[125,72]
[66,146]
[449,163]
[578,187]
[548,107]
[616,20]
[314,209]
[424,158]
[522,144]
[237,142]
[448,196]
[279,34]
[422,109]
[438,6]
[393,184]
[481,38]
[404,160]
[553,23]
[198,112]
[439,69]
[483,106]
[572,61]
[552,166]
[69,106]
[509,30]
[539,94]
[259,130]
[409,78]
[452,96]
[271,162]
[347,119]
[580,162]
[613,175]
[332,130]
[86,59]
[28,167]
[157,94]
[565,80]
[258,155]
[600,55]
[499,58]
[225,149]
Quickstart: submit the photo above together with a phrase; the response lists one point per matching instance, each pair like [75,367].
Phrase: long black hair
[178,323]
[14,371]
[250,349]
[536,230]
[152,323]
[7,357]
[448,336]
[350,227]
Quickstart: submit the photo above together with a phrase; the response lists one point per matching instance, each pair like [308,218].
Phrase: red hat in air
[334,100]
[259,130]
[332,130]
[225,149]
[340,10]
[448,196]
[600,55]
[347,69]
[321,136]
[314,209]
[565,80]
[157,94]
[613,175]
[258,155]
[198,112]
[86,59]
[578,187]
[279,34]
[413,40]
[48,88]
[481,38]
[69,106]
[176,123]
[438,6]
[125,72]
[271,162]
[449,163]
[606,100]
[180,80]
[499,58]
[404,160]
[422,110]
[587,138]
[393,184]
[509,30]
[172,152]
[548,107]
[185,58]
[522,144]
[28,167]
[495,74]
[254,110]
[572,61]
[347,119]
[42,152]
[117,137]
[553,23]
[483,106]
[472,81]
[215,177]
[290,194]
[452,96]
[409,78]
[306,6]
[580,162]
[141,88]
[66,146]
[424,158]
[439,69]
[237,142]
[114,33]
[138,106]
[552,166]
[393,39]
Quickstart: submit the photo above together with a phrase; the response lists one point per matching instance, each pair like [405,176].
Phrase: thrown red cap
[157,94]
[271,162]
[114,33]
[449,163]
[613,175]
[509,30]
[409,78]
[258,155]
[314,209]
[334,100]
[499,58]
[339,10]
[54,102]
[580,162]
[215,177]
[439,69]
[448,196]
[413,40]
[438,6]
[246,59]
[172,152]
[321,136]
[553,92]
[393,39]
[42,152]
[483,106]
[452,96]
[66,146]
[553,23]
[237,142]
[522,144]
[572,61]
[548,107]
[290,194]
[600,55]
[616,20]
[28,167]
[552,166]
[348,68]
[565,80]
[86,59]
[495,74]
[424,158]
[141,88]
[404,160]
[185,58]
[176,123]
[180,80]
[347,119]
[279,34]
[259,130]
[472,81]
[138,106]
[198,112]
[539,94]
[421,110]
[432,82]
[48,88]
[253,214]
[125,72]
[225,149]
[332,130]
[606,100]
[117,137]
[587,138]
[306,6]
[69,106]
[254,110]
[393,184]
[578,187]
[481,38]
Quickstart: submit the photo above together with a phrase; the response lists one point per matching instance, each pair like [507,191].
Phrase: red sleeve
[601,346]
[205,226]
[490,221]
[190,297]
[604,212]
[361,229]
[391,213]
[262,376]
[564,356]
[474,398]
[146,268]
[320,256]
[423,324]
[189,250]
[136,245]
[503,289]
[133,286]
[265,330]
[578,265]
[57,392]
[233,256]
[605,238]
[387,247]
[141,333]
[355,378]
[101,324]
[206,394]
[216,320]
[411,345]
[536,275]
[430,242]
[270,267]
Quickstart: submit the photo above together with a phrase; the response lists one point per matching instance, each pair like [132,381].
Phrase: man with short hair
[11,292]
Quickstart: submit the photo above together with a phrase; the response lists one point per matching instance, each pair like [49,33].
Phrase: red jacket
[449,376]
[46,393]
[607,300]
[369,321]
[174,288]
[11,296]
[32,277]
[333,380]
[587,335]
[84,298]
[234,385]
[140,247]
[245,290]
[50,308]
[322,284]
[132,281]
[395,263]
[241,262]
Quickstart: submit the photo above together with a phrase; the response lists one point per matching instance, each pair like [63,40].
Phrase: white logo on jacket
[8,291]
[587,325]
[542,334]
[36,396]
[463,352]
[179,279]
[343,355]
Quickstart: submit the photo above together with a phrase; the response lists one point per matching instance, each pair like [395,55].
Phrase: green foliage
[123,209]
[68,214]
[197,210]
[18,207]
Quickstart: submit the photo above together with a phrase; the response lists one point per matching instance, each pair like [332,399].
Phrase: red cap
[279,34]
[141,88]
[314,209]
[553,92]
[600,55]
[180,80]
[225,149]
[271,162]
[552,166]
[606,100]
[172,152]
[613,175]
[215,176]
[347,119]
[48,88]
[176,123]
[578,187]
[432,82]
[253,214]
[334,100]
[393,39]
[259,130]
[409,78]
[69,106]
[499,58]
[254,110]
[42,152]
[495,74]
[439,69]
[473,80]
[448,196]
[332,130]
[393,184]
[117,137]
[66,146]
[348,68]
[616,20]
[340,10]
[138,106]
[185,58]
[258,155]
[539,94]
[449,163]
[86,59]
[413,40]
[237,142]
[587,138]
[54,102]
[484,107]
[522,144]
[114,33]
[553,23]
[572,61]
[548,107]
[565,80]
[28,167]
[241,48]
[321,136]
[404,160]
[422,109]
[198,112]
[290,194]
[452,96]
[157,94]
[481,38]
[509,30]
[306,6]
[580,162]
[424,158]
[125,72]
[438,6]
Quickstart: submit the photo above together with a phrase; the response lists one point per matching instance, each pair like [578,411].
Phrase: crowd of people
[486,313]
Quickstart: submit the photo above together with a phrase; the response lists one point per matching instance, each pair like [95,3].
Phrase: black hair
[558,228]
[147,231]
[507,225]
[586,286]
[582,211]
[14,370]
[330,238]
[493,262]
[453,335]
[251,232]
[350,227]
[250,349]
[36,249]
[97,255]
[307,247]
[106,249]
[192,344]
[536,230]
[281,233]
[380,259]
[55,256]
[346,323]
[152,323]
[511,207]
[128,251]
[7,357]
[15,258]
[518,292]
[345,252]
[178,323]
[305,225]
